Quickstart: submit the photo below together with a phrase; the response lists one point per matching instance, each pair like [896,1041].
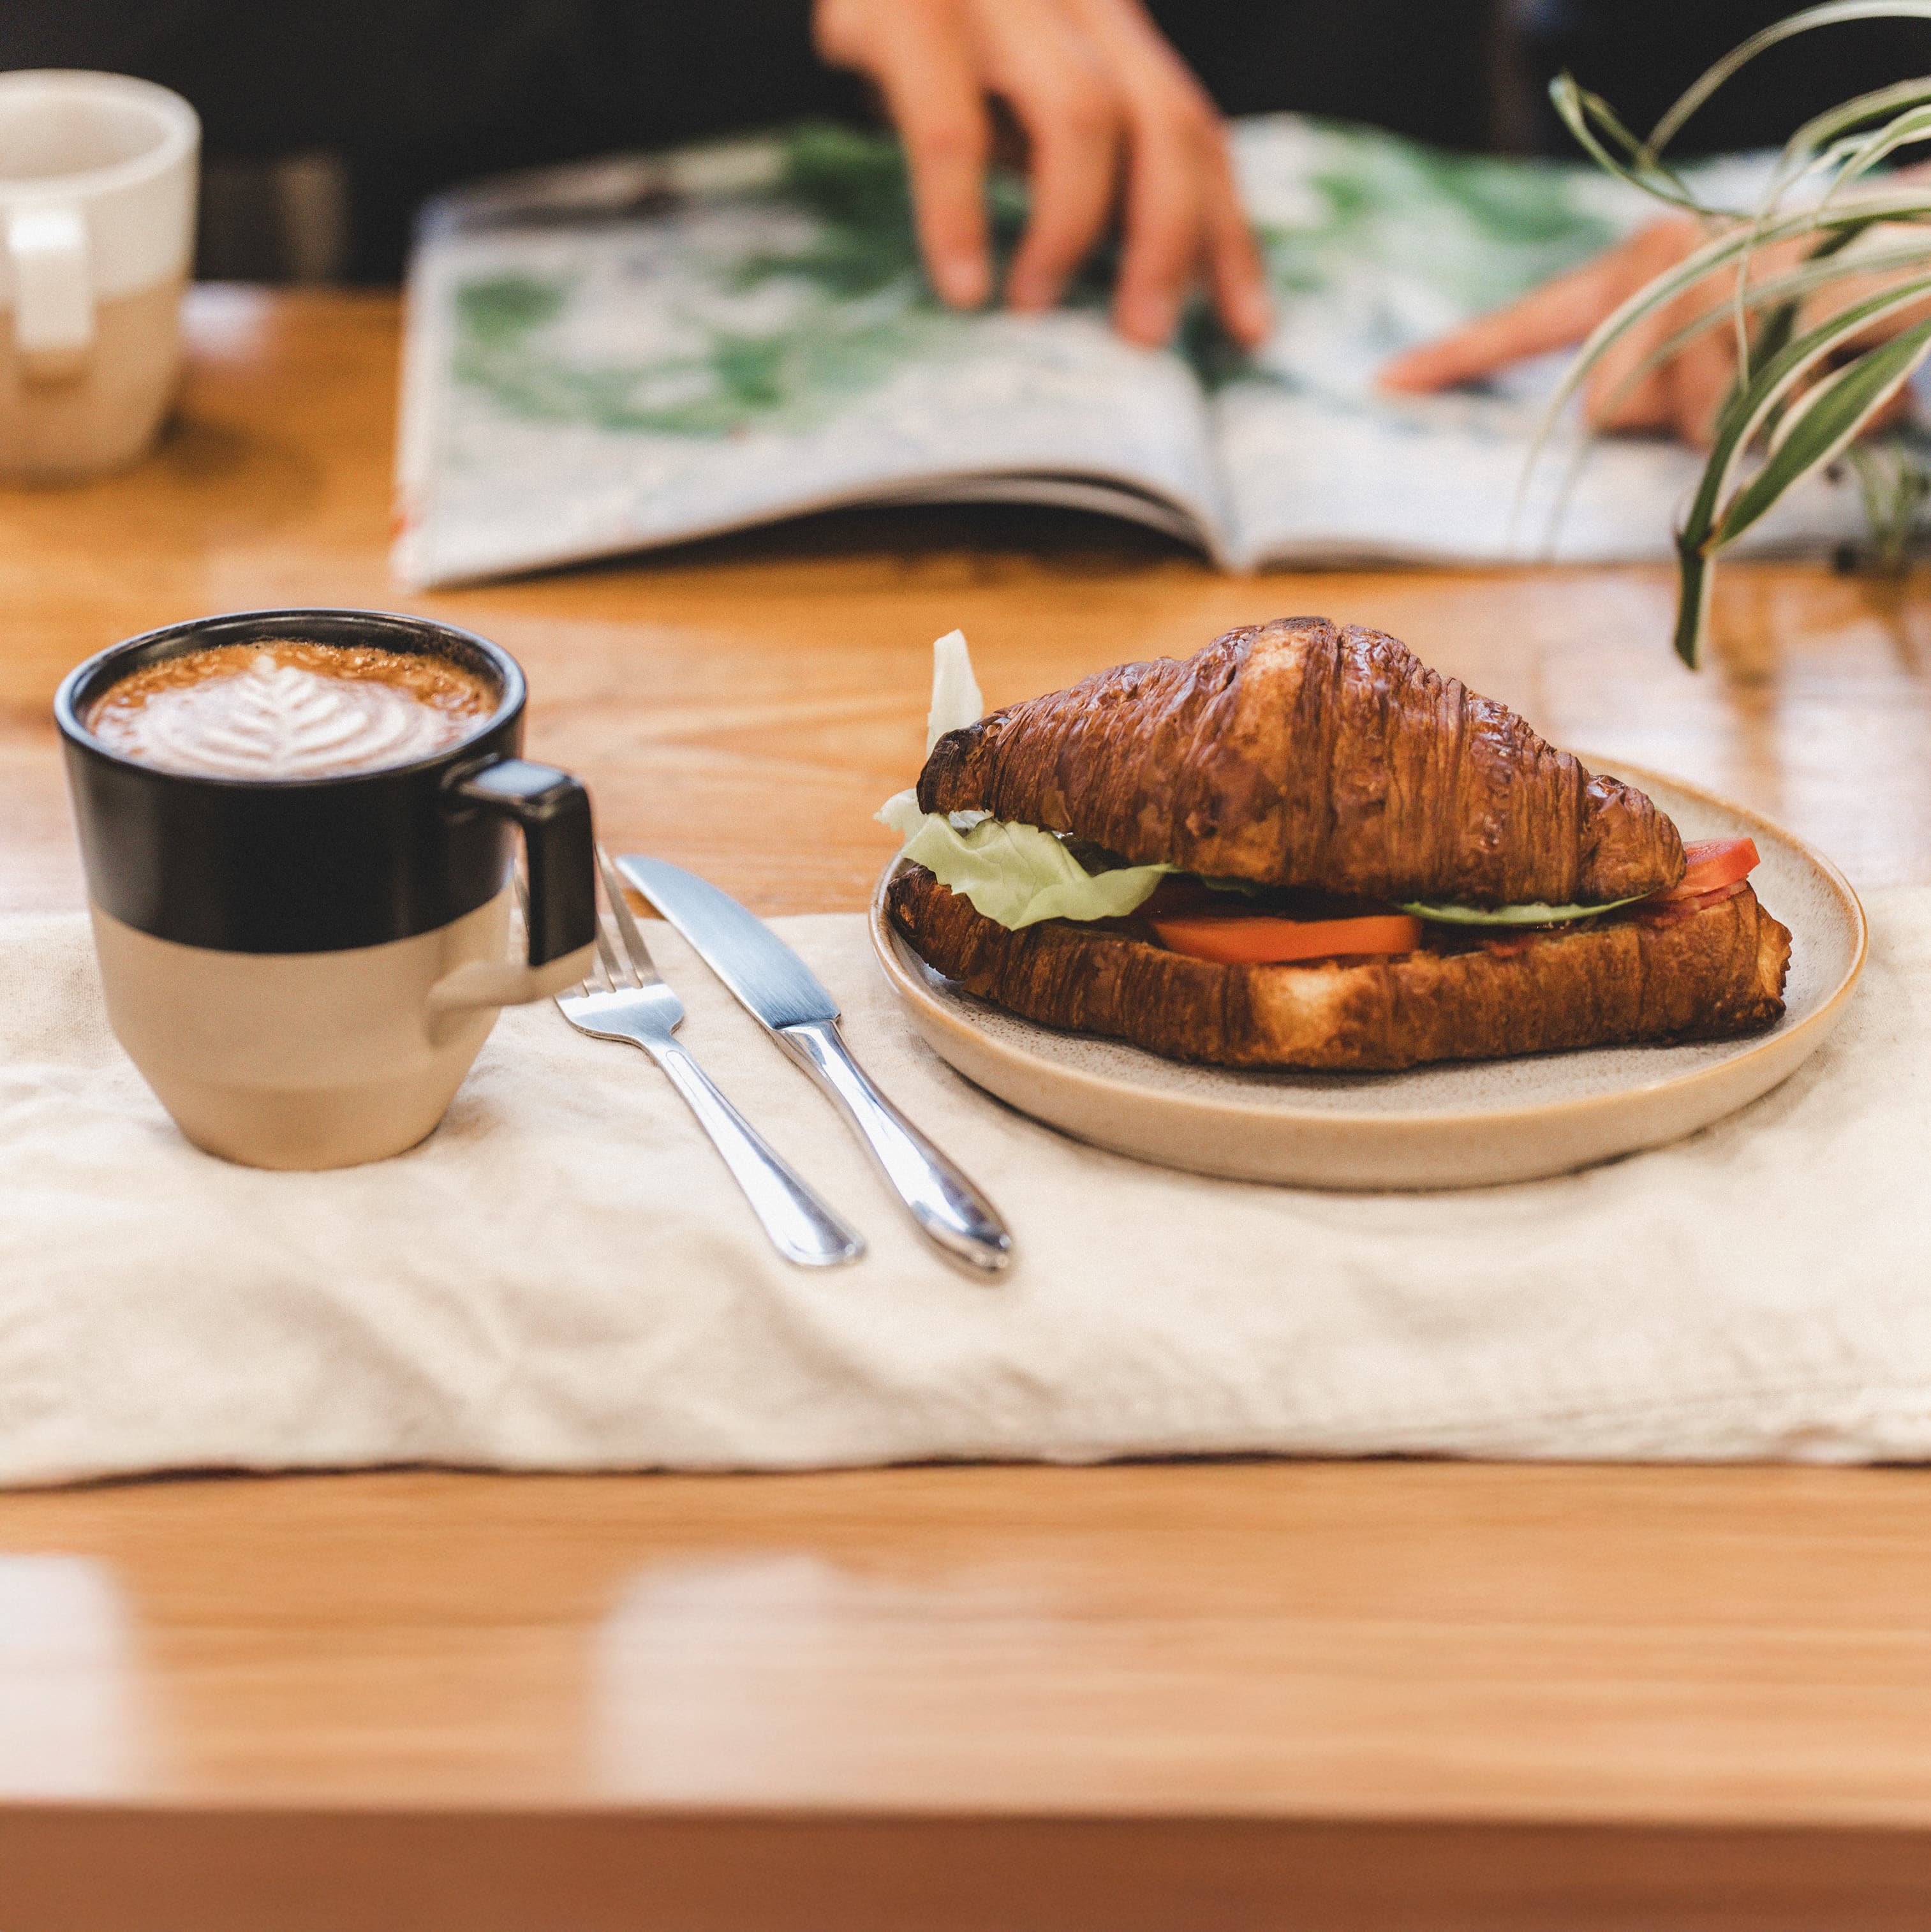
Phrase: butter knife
[783,995]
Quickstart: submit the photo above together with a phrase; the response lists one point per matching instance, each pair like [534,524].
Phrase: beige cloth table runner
[562,1277]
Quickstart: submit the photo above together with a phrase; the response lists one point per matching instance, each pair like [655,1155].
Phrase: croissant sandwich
[1301,848]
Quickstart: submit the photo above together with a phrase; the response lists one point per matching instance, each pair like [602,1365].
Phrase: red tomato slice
[1669,909]
[1233,940]
[1714,863]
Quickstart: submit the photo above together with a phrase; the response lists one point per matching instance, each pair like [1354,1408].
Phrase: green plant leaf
[1784,423]
[1895,485]
[1854,395]
[1820,132]
[1859,157]
[1783,290]
[1751,407]
[1778,328]
[1583,113]
[1822,146]
[1828,420]
[1713,254]
[1714,76]
[1841,142]
[1694,578]
[1746,414]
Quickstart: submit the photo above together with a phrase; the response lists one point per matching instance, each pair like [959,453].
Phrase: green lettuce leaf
[1014,875]
[1530,914]
[955,699]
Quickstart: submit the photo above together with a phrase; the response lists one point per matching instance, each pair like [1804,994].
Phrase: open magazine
[620,354]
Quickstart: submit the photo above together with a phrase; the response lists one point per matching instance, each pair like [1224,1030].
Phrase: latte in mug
[296,826]
[289,708]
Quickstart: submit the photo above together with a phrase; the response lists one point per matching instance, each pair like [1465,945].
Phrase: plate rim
[886,941]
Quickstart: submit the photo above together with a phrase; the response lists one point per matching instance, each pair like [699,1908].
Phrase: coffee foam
[292,710]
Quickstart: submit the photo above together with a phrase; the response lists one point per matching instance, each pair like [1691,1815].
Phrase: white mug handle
[53,295]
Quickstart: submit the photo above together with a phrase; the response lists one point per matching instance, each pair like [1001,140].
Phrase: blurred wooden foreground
[1401,1697]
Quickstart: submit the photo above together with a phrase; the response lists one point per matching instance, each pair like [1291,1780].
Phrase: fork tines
[632,965]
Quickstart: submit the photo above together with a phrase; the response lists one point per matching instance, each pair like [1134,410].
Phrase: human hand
[1111,116]
[1684,395]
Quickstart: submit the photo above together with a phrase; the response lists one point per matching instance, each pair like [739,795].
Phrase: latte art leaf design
[279,721]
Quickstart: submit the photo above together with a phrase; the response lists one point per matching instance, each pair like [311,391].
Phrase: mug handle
[553,810]
[53,296]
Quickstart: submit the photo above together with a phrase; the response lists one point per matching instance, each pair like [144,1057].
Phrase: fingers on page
[1111,114]
[1063,95]
[1559,315]
[1165,227]
[923,60]
[1235,271]
[1183,217]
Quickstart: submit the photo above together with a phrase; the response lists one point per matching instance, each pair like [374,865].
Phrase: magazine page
[624,353]
[1374,244]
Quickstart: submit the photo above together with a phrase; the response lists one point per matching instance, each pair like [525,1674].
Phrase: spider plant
[1805,388]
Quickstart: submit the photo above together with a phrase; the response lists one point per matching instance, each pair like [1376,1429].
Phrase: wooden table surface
[1203,1697]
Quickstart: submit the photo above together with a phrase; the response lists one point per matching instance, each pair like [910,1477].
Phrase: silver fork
[625,1001]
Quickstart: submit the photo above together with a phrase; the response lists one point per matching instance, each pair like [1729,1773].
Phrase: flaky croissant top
[1298,753]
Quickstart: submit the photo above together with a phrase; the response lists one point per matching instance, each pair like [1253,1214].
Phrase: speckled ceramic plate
[1463,1125]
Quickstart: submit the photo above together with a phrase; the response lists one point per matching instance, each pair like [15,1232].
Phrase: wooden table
[1205,1698]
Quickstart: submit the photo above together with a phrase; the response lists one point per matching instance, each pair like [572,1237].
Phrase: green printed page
[605,357]
[1375,244]
[620,354]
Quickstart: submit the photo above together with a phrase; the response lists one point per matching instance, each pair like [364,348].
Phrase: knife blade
[780,992]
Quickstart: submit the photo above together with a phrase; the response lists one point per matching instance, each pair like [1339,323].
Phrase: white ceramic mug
[97,238]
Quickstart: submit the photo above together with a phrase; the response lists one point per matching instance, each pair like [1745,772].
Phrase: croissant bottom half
[1708,974]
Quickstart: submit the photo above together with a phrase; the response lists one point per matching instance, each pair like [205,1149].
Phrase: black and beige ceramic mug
[304,968]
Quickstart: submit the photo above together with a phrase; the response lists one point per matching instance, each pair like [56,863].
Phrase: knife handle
[951,1212]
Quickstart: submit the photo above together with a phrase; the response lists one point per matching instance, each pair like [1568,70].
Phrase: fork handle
[802,1228]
